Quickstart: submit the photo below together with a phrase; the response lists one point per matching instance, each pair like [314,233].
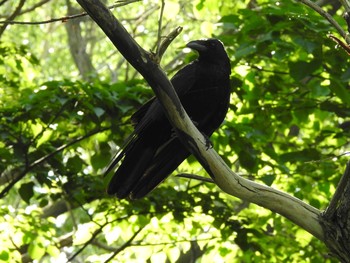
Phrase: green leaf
[100,160]
[245,50]
[53,251]
[268,179]
[26,191]
[75,164]
[43,202]
[301,69]
[308,44]
[339,89]
[36,250]
[4,255]
[248,160]
[46,135]
[28,237]
[301,156]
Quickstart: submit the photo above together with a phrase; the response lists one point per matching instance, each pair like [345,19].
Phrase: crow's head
[210,50]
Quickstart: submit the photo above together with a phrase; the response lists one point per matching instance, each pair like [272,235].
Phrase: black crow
[153,151]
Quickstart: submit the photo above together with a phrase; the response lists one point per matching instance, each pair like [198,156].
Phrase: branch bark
[336,219]
[290,207]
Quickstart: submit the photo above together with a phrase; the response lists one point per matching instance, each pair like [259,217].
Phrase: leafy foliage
[288,127]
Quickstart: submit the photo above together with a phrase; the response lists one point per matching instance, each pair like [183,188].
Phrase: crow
[153,151]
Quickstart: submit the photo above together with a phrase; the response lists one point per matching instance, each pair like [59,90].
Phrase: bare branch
[345,46]
[330,19]
[160,26]
[12,16]
[195,177]
[33,7]
[63,19]
[94,235]
[125,245]
[31,166]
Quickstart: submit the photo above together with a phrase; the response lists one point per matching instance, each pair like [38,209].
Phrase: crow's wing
[164,162]
[152,133]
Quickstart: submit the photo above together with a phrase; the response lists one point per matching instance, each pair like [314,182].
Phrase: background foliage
[63,116]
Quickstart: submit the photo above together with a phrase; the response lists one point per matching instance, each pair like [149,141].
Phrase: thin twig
[345,46]
[196,177]
[33,7]
[94,235]
[53,119]
[125,245]
[160,27]
[177,241]
[103,246]
[44,158]
[65,18]
[13,15]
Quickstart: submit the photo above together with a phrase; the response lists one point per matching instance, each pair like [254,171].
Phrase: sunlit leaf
[36,250]
[4,255]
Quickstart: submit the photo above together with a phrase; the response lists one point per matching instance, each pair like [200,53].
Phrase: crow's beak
[197,45]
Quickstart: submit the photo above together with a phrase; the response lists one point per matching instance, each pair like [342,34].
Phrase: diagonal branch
[125,245]
[292,208]
[195,177]
[93,236]
[327,16]
[31,166]
[12,16]
[63,19]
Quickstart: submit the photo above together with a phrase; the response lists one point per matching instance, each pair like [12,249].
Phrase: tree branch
[94,235]
[31,166]
[336,219]
[330,19]
[292,208]
[12,16]
[160,20]
[125,245]
[334,203]
[195,177]
[9,20]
